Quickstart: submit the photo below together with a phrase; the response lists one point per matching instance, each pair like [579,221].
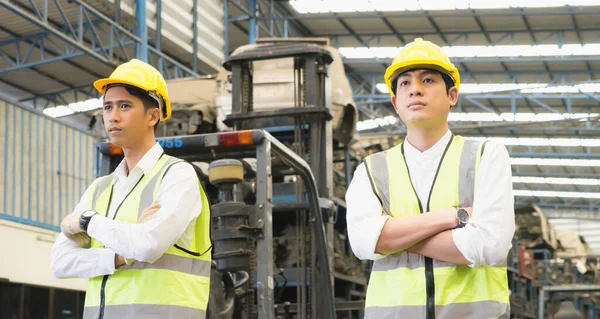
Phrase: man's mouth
[416,103]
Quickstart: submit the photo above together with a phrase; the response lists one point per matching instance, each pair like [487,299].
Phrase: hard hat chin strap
[160,101]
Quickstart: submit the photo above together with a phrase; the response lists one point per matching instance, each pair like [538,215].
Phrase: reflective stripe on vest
[145,311]
[174,286]
[397,286]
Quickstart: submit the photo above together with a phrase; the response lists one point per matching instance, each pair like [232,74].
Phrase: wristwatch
[85,218]
[463,217]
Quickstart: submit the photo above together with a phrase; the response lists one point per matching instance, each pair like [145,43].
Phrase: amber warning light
[114,150]
[236,138]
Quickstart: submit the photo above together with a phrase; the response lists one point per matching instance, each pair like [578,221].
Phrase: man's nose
[114,115]
[416,89]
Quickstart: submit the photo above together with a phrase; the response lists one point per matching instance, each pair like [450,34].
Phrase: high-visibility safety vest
[408,285]
[174,286]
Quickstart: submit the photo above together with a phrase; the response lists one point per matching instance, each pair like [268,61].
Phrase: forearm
[401,233]
[147,241]
[128,240]
[441,247]
[70,261]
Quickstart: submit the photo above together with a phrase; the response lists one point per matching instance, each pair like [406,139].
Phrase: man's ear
[393,98]
[154,116]
[453,96]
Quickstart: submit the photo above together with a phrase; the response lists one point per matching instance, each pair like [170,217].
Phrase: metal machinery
[278,231]
[546,279]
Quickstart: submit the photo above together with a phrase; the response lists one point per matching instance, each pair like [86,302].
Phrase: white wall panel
[30,259]
[45,167]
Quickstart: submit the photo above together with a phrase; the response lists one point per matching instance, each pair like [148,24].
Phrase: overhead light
[516,117]
[478,88]
[491,117]
[324,6]
[528,193]
[382,88]
[579,88]
[554,162]
[58,111]
[76,107]
[482,51]
[374,123]
[475,88]
[555,180]
[536,141]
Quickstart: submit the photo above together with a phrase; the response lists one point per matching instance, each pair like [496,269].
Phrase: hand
[146,216]
[70,226]
[119,261]
[81,239]
[149,212]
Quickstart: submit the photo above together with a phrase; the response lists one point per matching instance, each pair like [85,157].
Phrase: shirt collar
[435,151]
[146,163]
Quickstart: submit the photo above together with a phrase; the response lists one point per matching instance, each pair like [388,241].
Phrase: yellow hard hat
[421,54]
[143,76]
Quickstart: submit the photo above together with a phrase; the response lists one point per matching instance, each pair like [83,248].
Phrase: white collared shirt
[181,204]
[485,240]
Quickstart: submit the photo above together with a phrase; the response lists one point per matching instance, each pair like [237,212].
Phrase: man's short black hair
[149,102]
[447,80]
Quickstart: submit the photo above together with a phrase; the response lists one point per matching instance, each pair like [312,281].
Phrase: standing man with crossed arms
[435,213]
[141,234]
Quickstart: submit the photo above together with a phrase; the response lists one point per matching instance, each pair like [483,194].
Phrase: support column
[141,30]
[225,28]
[253,25]
[195,36]
[159,33]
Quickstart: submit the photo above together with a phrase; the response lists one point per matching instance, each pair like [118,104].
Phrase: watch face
[462,215]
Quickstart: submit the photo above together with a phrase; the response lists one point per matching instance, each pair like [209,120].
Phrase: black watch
[463,217]
[85,218]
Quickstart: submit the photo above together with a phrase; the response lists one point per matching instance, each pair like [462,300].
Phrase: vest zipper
[105,278]
[429,288]
[429,279]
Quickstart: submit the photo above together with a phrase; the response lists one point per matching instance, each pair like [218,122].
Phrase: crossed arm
[484,241]
[426,234]
[180,204]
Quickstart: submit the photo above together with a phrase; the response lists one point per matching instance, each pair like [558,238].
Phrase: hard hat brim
[422,67]
[102,84]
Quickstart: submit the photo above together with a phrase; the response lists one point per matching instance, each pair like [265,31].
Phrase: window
[10,295]
[65,304]
[34,302]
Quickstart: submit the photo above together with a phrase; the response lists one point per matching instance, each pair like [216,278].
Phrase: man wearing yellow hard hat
[140,234]
[435,213]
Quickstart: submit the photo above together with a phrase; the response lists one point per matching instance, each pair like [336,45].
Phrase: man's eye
[427,80]
[403,83]
[107,107]
[124,105]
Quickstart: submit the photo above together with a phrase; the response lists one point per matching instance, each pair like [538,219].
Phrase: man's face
[125,119]
[422,100]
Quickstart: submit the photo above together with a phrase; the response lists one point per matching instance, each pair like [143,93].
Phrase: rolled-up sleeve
[70,260]
[364,216]
[486,239]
